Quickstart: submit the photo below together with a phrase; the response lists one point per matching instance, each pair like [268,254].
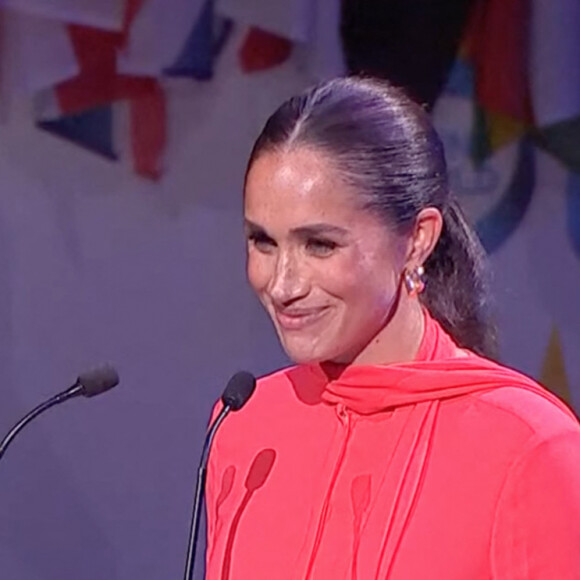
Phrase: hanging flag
[92,130]
[157,35]
[555,78]
[290,19]
[66,51]
[196,57]
[273,29]
[105,14]
[413,44]
[99,84]
[496,42]
[149,133]
[262,50]
[461,79]
[203,46]
[132,9]
[276,28]
[527,75]
[498,46]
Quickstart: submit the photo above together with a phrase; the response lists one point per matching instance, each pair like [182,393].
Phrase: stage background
[98,263]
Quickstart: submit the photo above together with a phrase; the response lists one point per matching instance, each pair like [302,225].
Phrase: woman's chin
[303,354]
[300,358]
[310,354]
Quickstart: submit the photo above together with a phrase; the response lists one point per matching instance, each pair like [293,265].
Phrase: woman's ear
[424,237]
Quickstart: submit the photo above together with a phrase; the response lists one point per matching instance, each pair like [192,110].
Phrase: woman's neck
[399,339]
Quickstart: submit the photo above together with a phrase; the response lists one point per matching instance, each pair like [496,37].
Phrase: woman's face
[327,272]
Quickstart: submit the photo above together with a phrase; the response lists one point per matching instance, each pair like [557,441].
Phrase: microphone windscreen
[97,381]
[238,390]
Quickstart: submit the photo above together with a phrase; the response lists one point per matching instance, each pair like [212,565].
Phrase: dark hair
[384,145]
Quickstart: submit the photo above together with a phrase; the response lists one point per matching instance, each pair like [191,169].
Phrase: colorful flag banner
[496,42]
[149,133]
[98,84]
[262,50]
[524,55]
[92,130]
[132,9]
[461,80]
[157,36]
[275,29]
[202,47]
[290,19]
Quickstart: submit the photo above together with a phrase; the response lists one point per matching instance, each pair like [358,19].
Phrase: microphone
[88,384]
[236,394]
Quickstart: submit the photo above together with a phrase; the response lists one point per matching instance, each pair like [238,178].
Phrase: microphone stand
[73,391]
[88,384]
[199,489]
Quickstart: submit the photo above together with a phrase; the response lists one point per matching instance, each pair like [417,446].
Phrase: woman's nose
[289,281]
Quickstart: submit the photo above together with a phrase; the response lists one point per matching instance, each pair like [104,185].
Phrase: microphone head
[97,381]
[238,390]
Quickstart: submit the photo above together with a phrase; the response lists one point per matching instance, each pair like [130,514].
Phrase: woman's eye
[321,247]
[261,242]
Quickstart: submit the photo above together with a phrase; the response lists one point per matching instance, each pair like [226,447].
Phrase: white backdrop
[97,265]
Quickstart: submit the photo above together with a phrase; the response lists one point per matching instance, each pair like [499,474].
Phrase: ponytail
[456,290]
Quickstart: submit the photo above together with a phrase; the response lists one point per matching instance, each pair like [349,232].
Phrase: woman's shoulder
[507,396]
[536,410]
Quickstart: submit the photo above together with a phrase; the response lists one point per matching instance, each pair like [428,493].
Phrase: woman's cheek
[257,271]
[339,276]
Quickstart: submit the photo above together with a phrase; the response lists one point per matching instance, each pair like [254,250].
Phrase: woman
[394,448]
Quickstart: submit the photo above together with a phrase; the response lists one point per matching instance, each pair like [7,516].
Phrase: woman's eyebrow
[309,230]
[319,229]
[250,225]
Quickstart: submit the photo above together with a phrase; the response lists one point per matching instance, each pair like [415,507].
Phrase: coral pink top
[450,467]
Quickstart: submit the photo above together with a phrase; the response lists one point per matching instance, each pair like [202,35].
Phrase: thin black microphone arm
[199,488]
[57,399]
[88,384]
[236,394]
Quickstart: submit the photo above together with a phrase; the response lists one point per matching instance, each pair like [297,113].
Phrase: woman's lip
[296,320]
